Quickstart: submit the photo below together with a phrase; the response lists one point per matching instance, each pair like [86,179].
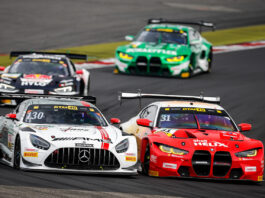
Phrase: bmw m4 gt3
[191,137]
[65,135]
[44,73]
[166,48]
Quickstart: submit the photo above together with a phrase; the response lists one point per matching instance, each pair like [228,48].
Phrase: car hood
[157,49]
[39,81]
[203,139]
[72,136]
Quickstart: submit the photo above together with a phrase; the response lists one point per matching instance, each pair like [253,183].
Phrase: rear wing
[69,55]
[200,23]
[21,97]
[139,95]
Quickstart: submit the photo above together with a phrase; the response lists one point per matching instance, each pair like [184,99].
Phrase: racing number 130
[35,115]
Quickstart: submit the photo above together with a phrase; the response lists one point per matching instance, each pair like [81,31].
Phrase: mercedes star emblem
[84,156]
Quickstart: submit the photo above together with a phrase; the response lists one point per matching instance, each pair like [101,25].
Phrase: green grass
[236,35]
[220,37]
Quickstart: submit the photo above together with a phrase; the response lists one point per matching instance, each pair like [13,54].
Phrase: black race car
[45,73]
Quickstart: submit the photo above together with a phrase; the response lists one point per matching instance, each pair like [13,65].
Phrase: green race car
[166,48]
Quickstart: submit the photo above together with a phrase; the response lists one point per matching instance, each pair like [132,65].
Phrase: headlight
[122,146]
[39,142]
[64,89]
[249,153]
[175,59]
[125,56]
[6,87]
[172,150]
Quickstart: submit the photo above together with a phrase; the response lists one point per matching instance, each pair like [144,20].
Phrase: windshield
[39,66]
[195,118]
[64,114]
[163,36]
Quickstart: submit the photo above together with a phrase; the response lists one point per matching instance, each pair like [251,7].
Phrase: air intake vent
[201,162]
[141,64]
[221,163]
[82,158]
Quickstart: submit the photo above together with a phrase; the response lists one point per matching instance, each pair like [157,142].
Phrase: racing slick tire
[17,154]
[146,162]
[88,86]
[210,58]
[1,154]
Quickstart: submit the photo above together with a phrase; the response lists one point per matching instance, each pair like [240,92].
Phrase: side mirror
[79,72]
[2,68]
[245,127]
[144,122]
[129,38]
[115,121]
[11,116]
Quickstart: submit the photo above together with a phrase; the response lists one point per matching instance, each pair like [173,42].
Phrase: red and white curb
[96,64]
[216,50]
[238,47]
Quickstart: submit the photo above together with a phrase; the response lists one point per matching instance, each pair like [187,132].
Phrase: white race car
[65,135]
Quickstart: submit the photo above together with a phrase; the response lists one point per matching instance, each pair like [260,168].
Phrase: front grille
[141,64]
[82,158]
[155,64]
[221,163]
[201,162]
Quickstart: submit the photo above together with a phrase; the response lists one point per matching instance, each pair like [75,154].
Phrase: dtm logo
[206,143]
[31,82]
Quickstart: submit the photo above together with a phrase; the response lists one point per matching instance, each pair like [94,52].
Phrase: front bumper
[155,69]
[72,159]
[214,165]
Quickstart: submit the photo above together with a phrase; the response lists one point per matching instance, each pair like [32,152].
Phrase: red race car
[193,136]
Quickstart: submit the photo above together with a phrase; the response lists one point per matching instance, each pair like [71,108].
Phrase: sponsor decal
[130,158]
[260,178]
[42,128]
[169,165]
[73,129]
[194,109]
[82,138]
[84,144]
[36,107]
[245,158]
[130,154]
[66,107]
[153,173]
[31,150]
[250,169]
[153,159]
[34,82]
[178,156]
[206,143]
[10,144]
[34,91]
[30,154]
[157,51]
[37,76]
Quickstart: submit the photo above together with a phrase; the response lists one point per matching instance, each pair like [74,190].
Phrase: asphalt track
[50,24]
[238,77]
